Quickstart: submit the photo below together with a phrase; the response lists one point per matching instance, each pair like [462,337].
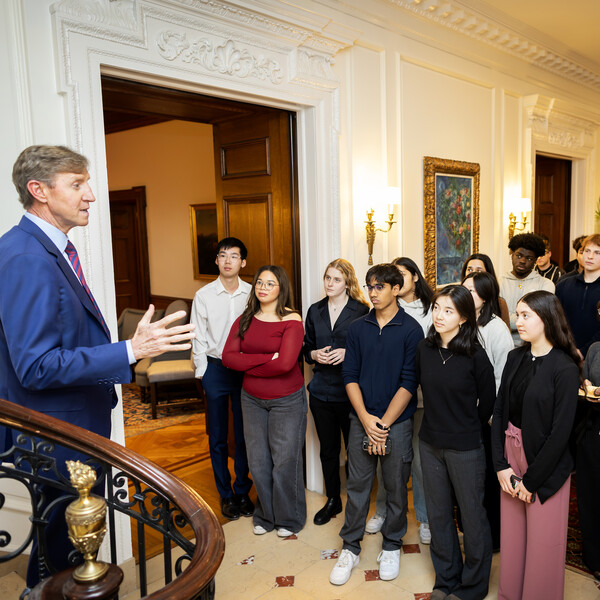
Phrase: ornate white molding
[555,127]
[453,15]
[226,58]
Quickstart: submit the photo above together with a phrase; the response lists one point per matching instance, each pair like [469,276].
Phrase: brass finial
[86,520]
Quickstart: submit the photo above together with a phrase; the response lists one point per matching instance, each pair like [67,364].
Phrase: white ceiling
[568,27]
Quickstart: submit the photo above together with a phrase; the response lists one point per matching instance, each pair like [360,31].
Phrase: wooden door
[553,204]
[130,248]
[256,200]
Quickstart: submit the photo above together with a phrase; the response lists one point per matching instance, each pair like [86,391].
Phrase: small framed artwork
[203,227]
[451,217]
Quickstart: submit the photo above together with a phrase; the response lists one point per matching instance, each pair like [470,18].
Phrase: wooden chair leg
[153,395]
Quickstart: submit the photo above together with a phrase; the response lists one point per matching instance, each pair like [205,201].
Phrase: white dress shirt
[213,312]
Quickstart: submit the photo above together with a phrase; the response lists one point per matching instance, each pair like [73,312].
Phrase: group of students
[456,349]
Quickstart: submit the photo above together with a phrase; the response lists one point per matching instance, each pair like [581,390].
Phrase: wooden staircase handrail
[210,540]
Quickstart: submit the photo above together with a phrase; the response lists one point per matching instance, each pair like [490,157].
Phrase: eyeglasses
[268,285]
[378,287]
[528,259]
[224,256]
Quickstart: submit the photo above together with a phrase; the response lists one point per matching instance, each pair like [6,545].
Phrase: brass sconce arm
[371,231]
[512,224]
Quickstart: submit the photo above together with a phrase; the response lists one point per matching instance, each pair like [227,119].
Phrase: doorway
[254,166]
[552,208]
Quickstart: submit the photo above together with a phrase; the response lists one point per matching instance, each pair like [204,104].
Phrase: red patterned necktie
[74,258]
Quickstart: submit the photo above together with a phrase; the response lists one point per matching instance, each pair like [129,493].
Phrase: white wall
[175,161]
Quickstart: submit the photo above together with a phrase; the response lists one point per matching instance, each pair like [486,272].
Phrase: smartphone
[388,444]
[514,480]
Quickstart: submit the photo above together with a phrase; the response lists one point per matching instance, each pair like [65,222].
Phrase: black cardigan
[327,383]
[547,420]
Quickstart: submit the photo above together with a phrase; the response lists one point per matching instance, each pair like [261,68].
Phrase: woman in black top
[532,422]
[325,330]
[457,381]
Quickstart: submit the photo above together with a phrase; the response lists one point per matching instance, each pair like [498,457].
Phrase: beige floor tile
[378,590]
[242,583]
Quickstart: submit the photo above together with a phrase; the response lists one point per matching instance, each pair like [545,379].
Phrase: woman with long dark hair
[477,263]
[326,326]
[497,342]
[415,298]
[265,342]
[532,422]
[457,381]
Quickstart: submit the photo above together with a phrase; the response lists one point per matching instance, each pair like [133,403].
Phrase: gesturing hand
[153,339]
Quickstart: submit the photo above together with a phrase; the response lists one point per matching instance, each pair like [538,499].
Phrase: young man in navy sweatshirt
[380,378]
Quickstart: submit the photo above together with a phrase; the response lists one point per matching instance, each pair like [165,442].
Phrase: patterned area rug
[137,415]
[574,548]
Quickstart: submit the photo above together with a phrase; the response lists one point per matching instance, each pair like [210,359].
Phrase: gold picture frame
[450,216]
[205,237]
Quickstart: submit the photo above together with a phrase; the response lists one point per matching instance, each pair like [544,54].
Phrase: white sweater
[497,342]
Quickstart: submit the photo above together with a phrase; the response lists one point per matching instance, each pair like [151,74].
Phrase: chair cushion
[141,372]
[171,370]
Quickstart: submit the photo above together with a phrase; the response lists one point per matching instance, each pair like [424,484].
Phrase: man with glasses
[381,383]
[216,306]
[525,249]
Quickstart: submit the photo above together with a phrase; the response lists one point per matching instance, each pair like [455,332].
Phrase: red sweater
[264,377]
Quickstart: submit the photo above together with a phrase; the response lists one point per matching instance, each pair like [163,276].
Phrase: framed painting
[203,227]
[451,217]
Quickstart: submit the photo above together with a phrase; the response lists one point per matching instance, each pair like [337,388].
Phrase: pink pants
[533,537]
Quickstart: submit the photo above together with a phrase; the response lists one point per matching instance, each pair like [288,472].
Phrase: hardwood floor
[183,451]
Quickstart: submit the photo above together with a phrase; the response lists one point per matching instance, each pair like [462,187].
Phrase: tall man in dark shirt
[579,295]
[379,374]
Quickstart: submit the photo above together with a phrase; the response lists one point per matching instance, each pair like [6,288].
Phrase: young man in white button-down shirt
[216,306]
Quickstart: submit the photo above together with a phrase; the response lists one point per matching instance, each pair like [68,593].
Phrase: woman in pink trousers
[533,416]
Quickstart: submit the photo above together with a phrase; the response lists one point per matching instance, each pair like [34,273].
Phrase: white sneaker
[343,567]
[424,533]
[259,530]
[283,532]
[374,524]
[389,564]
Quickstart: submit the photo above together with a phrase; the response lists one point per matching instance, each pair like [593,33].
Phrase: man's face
[68,201]
[382,295]
[230,262]
[543,262]
[523,262]
[591,258]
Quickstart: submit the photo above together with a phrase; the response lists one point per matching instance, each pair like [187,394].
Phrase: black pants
[331,418]
[588,489]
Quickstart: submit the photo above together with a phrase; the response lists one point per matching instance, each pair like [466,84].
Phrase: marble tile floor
[298,568]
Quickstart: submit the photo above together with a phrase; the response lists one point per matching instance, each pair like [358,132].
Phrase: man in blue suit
[56,355]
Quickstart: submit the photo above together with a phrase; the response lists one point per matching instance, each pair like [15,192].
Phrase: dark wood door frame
[136,197]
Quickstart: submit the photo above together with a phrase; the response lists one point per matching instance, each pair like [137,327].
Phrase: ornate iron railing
[159,500]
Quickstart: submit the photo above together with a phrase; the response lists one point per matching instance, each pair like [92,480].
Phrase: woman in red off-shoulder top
[265,343]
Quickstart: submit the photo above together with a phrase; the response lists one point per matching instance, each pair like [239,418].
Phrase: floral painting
[451,203]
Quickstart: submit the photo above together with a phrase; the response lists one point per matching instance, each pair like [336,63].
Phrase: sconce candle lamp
[525,206]
[371,230]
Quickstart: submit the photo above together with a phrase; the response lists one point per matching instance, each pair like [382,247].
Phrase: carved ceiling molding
[558,128]
[455,16]
[212,35]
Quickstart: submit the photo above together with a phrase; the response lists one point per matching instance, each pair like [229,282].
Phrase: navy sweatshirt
[382,360]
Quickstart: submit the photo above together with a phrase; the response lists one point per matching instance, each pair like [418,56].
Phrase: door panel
[130,248]
[254,190]
[553,204]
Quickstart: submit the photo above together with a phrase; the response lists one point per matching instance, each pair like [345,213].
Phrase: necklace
[441,356]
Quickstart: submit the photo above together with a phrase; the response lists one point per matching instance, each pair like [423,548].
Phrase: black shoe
[244,505]
[332,507]
[597,576]
[229,509]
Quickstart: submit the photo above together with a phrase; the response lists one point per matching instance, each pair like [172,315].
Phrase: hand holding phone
[515,480]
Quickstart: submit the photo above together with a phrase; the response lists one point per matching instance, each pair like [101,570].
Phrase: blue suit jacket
[55,356]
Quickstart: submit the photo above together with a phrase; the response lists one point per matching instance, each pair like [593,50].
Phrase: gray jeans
[462,472]
[361,472]
[274,432]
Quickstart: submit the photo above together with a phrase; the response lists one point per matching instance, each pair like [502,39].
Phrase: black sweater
[452,416]
[546,421]
[327,383]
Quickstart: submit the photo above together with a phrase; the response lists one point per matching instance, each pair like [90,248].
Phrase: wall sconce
[371,230]
[525,206]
